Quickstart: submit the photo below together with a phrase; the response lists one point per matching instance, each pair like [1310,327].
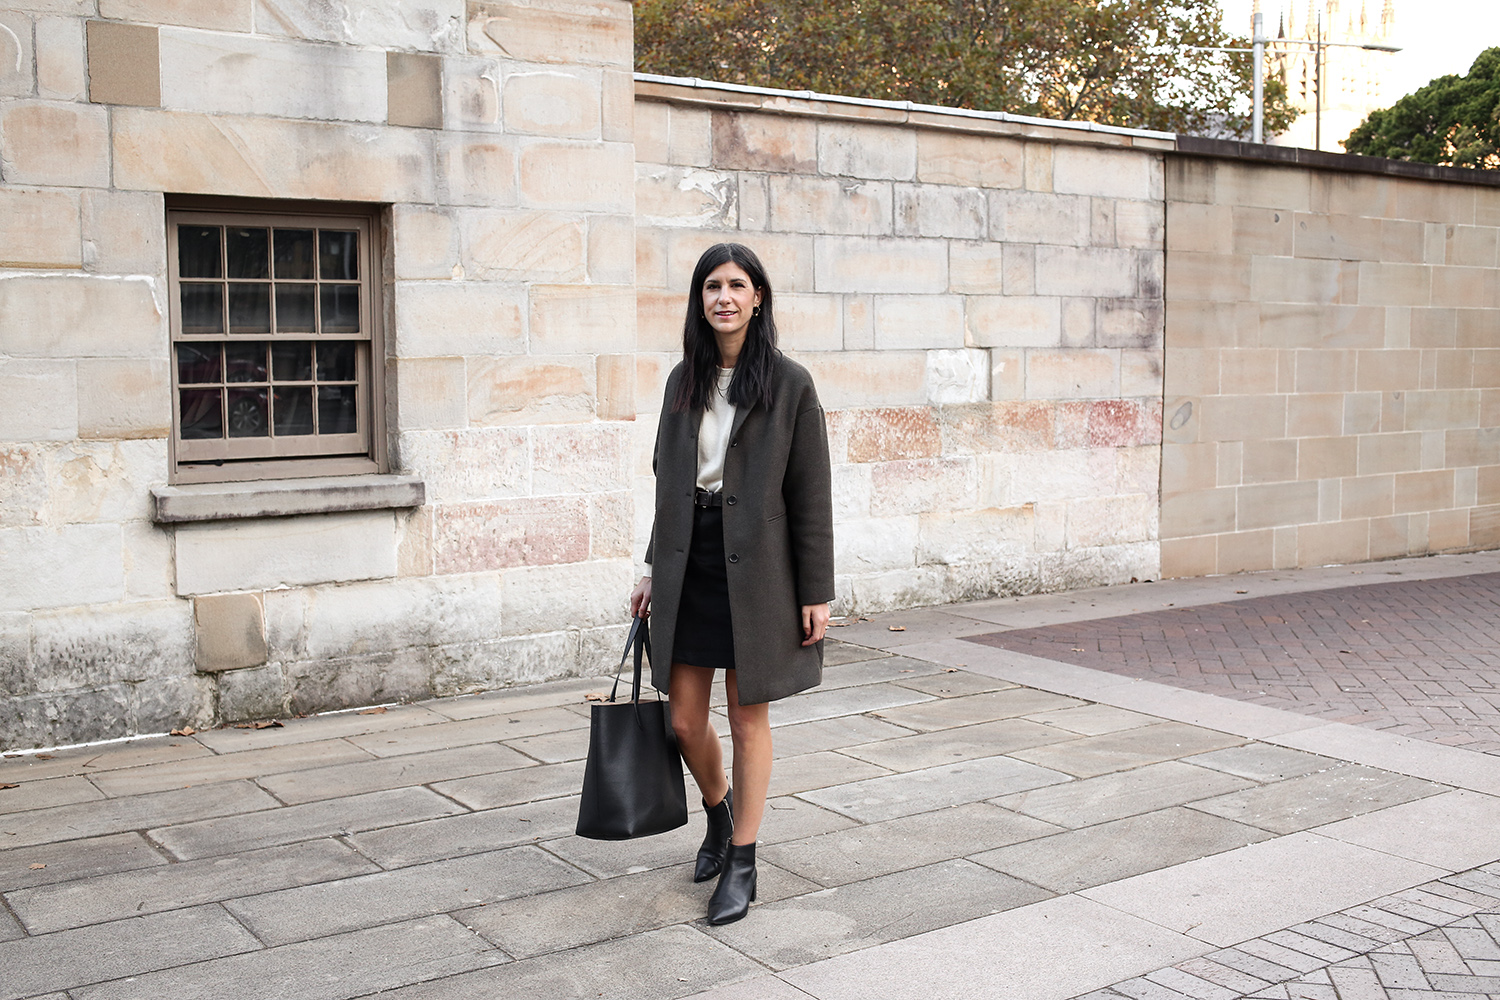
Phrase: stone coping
[1227,149]
[733,96]
[284,497]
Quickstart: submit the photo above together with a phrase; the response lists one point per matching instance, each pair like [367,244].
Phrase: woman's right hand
[640,599]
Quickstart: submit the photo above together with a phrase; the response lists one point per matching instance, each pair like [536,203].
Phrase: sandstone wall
[1332,369]
[497,135]
[980,303]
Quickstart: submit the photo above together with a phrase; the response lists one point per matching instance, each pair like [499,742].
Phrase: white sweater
[713,438]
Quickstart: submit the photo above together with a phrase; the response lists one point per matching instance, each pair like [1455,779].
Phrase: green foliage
[1454,121]
[1119,62]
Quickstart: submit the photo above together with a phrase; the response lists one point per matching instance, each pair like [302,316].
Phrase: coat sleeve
[651,539]
[808,491]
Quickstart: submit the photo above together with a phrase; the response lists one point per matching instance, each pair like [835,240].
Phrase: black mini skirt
[705,631]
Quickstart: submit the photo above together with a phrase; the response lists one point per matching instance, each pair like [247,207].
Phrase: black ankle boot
[736,891]
[716,840]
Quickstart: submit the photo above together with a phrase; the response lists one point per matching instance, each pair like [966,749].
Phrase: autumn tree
[1453,121]
[1119,62]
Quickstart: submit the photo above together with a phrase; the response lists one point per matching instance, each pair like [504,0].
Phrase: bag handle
[639,640]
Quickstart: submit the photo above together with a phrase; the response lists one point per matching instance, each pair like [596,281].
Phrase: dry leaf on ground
[372,711]
[37,867]
[184,731]
[896,628]
[594,696]
[6,784]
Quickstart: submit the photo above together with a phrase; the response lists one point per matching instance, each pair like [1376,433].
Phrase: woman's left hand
[814,623]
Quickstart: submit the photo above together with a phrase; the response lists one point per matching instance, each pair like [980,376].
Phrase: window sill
[284,497]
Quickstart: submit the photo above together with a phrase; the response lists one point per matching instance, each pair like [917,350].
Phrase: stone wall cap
[1232,149]
[285,497]
[692,89]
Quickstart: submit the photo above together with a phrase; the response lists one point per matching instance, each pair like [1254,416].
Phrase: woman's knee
[749,722]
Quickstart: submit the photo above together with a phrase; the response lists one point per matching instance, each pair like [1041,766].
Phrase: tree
[1119,62]
[1454,121]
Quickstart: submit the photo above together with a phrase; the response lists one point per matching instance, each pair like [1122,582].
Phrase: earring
[755,311]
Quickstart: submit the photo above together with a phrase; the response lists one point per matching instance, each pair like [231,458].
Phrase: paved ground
[950,819]
[1416,657]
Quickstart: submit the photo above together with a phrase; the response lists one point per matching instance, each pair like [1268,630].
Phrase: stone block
[123,399]
[1268,461]
[414,89]
[538,599]
[42,398]
[689,137]
[799,203]
[615,377]
[905,322]
[277,552]
[979,267]
[426,243]
[569,319]
[1474,287]
[542,531]
[61,567]
[982,535]
[478,463]
[1071,374]
[587,177]
[580,458]
[611,250]
[471,94]
[852,264]
[1441,410]
[66,316]
[868,545]
[1032,217]
[362,619]
[1127,323]
[1429,328]
[527,245]
[17,56]
[1470,246]
[230,630]
[969,160]
[763,142]
[61,59]
[1327,371]
[808,322]
[248,75]
[55,144]
[552,102]
[686,196]
[867,378]
[617,105]
[245,156]
[123,232]
[1139,225]
[1197,228]
[920,486]
[1086,271]
[1106,173]
[1197,512]
[124,64]
[568,33]
[957,376]
[38,228]
[872,151]
[652,130]
[943,211]
[1382,284]
[428,26]
[1243,418]
[1189,467]
[224,15]
[1424,491]
[1013,321]
[430,392]
[453,319]
[23,485]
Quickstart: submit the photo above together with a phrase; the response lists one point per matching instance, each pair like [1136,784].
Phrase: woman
[741,551]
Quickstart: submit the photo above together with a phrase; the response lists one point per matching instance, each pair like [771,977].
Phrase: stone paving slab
[76,958]
[90,819]
[939,787]
[237,766]
[47,793]
[88,857]
[367,775]
[513,787]
[173,887]
[1318,798]
[331,968]
[945,746]
[465,833]
[1113,796]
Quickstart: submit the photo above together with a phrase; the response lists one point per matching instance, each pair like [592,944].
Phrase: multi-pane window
[273,324]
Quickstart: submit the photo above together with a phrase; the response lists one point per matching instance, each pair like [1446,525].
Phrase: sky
[1437,36]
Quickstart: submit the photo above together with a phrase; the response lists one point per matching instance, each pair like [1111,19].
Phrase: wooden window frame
[256,458]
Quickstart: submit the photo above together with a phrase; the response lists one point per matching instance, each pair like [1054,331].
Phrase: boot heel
[736,890]
[710,859]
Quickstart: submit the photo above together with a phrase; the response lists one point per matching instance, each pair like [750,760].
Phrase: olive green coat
[778,533]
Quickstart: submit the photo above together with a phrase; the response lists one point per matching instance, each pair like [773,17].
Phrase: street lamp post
[1258,46]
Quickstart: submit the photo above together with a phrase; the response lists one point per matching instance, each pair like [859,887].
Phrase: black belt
[703,498]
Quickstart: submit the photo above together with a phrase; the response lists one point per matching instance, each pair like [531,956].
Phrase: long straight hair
[756,368]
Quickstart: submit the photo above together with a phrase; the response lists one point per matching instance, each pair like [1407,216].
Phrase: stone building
[1352,79]
[332,338]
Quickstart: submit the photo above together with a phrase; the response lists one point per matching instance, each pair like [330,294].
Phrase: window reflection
[197,363]
[293,411]
[198,252]
[201,413]
[336,256]
[294,254]
[294,308]
[248,253]
[245,362]
[247,413]
[336,413]
[202,307]
[291,362]
[340,308]
[336,362]
[249,308]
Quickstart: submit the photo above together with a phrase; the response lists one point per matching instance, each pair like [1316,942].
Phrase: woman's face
[729,299]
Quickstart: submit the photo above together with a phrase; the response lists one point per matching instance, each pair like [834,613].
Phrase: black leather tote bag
[632,783]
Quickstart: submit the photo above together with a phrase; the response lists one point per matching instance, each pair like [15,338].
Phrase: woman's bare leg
[750,728]
[690,690]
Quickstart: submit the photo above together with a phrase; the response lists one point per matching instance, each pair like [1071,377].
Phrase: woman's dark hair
[756,367]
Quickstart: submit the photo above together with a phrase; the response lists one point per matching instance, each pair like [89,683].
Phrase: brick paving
[1416,657]
[1438,941]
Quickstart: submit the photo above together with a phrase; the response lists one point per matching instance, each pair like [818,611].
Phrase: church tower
[1352,80]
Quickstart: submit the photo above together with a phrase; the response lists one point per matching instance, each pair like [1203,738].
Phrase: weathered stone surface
[247,156]
[231,631]
[535,245]
[225,15]
[775,143]
[531,390]
[61,567]
[457,318]
[587,177]
[247,75]
[553,102]
[36,229]
[804,204]
[285,552]
[686,196]
[123,232]
[124,64]
[414,89]
[17,55]
[850,264]
[476,170]
[66,316]
[520,532]
[428,26]
[121,399]
[567,33]
[593,319]
[867,151]
[44,401]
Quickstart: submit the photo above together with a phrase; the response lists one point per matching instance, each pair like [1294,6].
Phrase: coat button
[734,444]
[734,557]
[730,501]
